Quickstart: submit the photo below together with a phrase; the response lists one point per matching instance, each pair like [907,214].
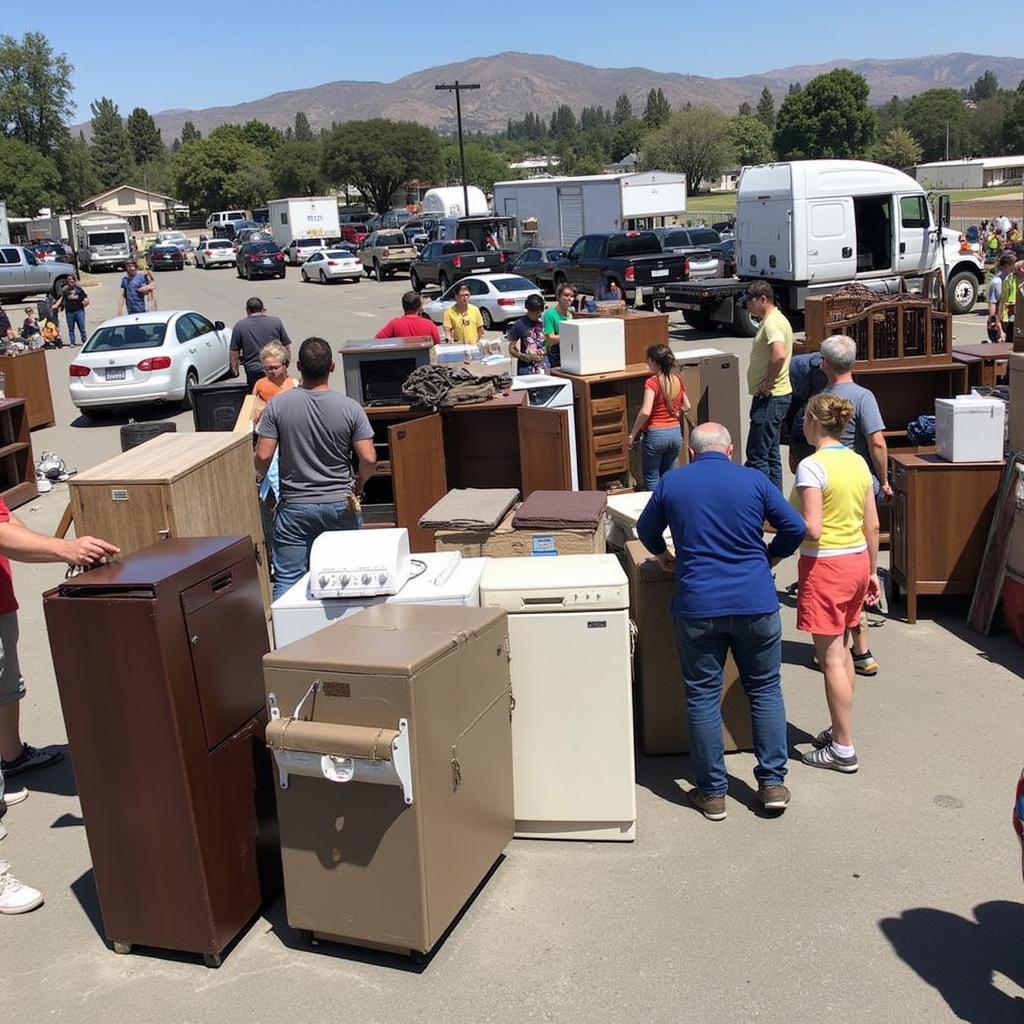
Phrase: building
[627,165]
[971,172]
[535,166]
[146,212]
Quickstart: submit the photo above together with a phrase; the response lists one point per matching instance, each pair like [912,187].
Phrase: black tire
[134,434]
[414,282]
[305,277]
[323,277]
[378,273]
[443,283]
[485,315]
[744,323]
[238,270]
[59,287]
[191,382]
[699,321]
[281,275]
[558,281]
[962,292]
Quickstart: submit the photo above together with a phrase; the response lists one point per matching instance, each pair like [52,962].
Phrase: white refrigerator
[572,727]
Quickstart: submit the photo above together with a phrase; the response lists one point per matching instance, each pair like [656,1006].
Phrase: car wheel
[557,283]
[414,282]
[963,292]
[443,282]
[378,272]
[238,270]
[305,276]
[134,434]
[323,277]
[744,323]
[58,287]
[485,315]
[699,321]
[191,380]
[281,275]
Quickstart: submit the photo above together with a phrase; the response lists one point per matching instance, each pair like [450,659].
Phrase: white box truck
[557,211]
[808,226]
[101,241]
[310,217]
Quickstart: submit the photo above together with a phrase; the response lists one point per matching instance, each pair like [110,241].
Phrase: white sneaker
[14,796]
[15,897]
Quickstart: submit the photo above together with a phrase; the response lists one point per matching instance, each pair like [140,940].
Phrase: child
[31,326]
[51,335]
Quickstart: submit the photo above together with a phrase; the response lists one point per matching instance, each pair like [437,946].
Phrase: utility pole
[458,87]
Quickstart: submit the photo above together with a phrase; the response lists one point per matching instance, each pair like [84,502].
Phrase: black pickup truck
[632,258]
[444,263]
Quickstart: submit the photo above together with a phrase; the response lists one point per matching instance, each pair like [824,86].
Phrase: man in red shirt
[411,324]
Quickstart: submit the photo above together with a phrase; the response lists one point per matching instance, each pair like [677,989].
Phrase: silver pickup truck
[22,274]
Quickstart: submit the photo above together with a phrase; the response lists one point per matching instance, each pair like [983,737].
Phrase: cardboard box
[505,542]
[658,680]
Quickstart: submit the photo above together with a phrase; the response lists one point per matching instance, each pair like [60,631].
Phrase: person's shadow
[960,958]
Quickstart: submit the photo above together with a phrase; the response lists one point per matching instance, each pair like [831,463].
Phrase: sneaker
[865,664]
[773,798]
[823,739]
[31,757]
[15,896]
[13,796]
[712,807]
[826,757]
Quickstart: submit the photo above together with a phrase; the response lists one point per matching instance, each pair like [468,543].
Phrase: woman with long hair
[665,399]
[837,568]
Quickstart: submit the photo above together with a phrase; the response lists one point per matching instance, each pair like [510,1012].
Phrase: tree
[190,133]
[751,140]
[745,110]
[657,111]
[143,136]
[302,131]
[297,169]
[28,180]
[563,122]
[984,88]
[263,135]
[111,150]
[78,179]
[626,138]
[929,114]
[222,170]
[623,110]
[765,110]
[483,166]
[897,148]
[35,91]
[1013,124]
[379,156]
[829,118]
[694,142]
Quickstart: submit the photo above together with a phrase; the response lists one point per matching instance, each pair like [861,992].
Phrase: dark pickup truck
[444,263]
[632,258]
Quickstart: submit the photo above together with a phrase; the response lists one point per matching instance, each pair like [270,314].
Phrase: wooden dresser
[27,377]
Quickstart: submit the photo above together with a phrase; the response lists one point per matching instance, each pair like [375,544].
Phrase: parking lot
[891,895]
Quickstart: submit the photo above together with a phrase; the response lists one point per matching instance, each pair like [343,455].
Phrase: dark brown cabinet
[158,659]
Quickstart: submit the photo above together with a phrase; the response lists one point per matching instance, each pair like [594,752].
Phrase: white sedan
[332,265]
[214,252]
[499,297]
[148,357]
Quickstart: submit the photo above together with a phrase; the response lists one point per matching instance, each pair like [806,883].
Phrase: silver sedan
[499,297]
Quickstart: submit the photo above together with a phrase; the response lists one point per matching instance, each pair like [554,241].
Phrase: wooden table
[27,377]
[989,355]
[643,329]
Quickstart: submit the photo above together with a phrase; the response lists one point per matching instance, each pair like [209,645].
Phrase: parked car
[47,250]
[21,274]
[499,297]
[354,232]
[243,235]
[165,257]
[695,244]
[332,265]
[725,228]
[386,252]
[415,232]
[725,252]
[159,356]
[298,250]
[395,218]
[214,252]
[538,265]
[441,263]
[176,238]
[260,259]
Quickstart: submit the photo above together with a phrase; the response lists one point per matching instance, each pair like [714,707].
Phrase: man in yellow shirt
[768,381]
[463,323]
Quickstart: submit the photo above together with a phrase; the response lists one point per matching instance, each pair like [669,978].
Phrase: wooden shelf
[17,467]
[13,449]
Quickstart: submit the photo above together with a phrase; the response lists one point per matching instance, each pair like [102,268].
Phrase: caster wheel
[122,948]
[211,959]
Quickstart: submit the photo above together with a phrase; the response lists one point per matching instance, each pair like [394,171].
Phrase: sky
[204,53]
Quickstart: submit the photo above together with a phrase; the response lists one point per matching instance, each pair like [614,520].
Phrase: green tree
[297,169]
[143,136]
[261,134]
[897,148]
[28,180]
[563,122]
[751,139]
[984,88]
[379,156]
[745,110]
[623,110]
[829,118]
[890,115]
[1013,123]
[220,171]
[695,142]
[765,109]
[111,150]
[302,131]
[987,123]
[78,179]
[35,91]
[483,166]
[657,111]
[626,138]
[190,133]
[929,114]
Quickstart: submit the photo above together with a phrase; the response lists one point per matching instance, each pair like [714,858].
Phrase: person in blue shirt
[135,286]
[725,599]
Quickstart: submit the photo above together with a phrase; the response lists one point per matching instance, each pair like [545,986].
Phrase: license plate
[115,373]
[694,306]
[479,270]
[659,273]
[479,259]
[268,263]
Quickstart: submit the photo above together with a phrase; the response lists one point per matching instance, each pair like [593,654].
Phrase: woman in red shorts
[837,569]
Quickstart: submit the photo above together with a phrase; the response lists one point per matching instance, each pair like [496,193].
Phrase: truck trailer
[557,211]
[101,241]
[310,217]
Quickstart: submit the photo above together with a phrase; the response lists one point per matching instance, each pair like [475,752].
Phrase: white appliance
[544,392]
[444,578]
[593,346]
[624,511]
[359,563]
[970,429]
[572,727]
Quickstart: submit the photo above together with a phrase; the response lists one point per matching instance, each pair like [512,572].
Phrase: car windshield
[514,284]
[126,336]
[165,250]
[218,243]
[309,243]
[262,247]
[556,254]
[633,245]
[450,247]
[391,238]
[107,238]
[339,254]
[705,236]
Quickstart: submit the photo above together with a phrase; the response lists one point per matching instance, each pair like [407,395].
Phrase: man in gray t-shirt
[316,432]
[249,335]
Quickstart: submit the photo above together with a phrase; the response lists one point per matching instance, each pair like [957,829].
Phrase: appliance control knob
[383,578]
[345,579]
[366,579]
[323,579]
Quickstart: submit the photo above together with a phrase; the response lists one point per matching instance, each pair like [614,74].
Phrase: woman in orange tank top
[664,401]
[274,358]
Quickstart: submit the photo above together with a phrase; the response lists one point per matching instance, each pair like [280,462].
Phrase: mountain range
[514,84]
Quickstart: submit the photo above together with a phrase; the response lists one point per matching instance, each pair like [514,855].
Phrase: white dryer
[544,392]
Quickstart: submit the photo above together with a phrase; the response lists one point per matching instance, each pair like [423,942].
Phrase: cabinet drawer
[607,406]
[610,444]
[611,465]
[610,423]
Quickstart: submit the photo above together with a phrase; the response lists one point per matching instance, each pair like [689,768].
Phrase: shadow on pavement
[961,958]
[999,648]
[120,416]
[58,778]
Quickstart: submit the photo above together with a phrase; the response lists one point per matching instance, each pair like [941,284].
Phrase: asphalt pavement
[892,895]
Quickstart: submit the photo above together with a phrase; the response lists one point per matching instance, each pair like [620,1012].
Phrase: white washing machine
[442,577]
[546,392]
[572,727]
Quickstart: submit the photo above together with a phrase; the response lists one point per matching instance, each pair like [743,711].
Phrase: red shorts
[831,592]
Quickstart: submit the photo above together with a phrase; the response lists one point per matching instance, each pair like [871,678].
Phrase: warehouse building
[972,172]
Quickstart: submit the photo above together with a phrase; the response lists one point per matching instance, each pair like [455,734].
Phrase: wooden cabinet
[26,377]
[642,330]
[17,467]
[988,362]
[941,512]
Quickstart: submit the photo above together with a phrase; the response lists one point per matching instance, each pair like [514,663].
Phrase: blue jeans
[76,317]
[766,416]
[660,453]
[295,529]
[756,644]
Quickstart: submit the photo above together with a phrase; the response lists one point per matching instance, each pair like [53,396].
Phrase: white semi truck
[809,226]
[308,217]
[101,241]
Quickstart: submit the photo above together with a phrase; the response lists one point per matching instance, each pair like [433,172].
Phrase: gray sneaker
[826,757]
[823,739]
[773,798]
[712,807]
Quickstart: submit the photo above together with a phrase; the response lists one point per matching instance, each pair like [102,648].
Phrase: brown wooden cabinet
[17,467]
[26,377]
[941,512]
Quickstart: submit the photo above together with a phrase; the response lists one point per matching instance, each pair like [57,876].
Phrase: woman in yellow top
[274,358]
[463,323]
[837,568]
